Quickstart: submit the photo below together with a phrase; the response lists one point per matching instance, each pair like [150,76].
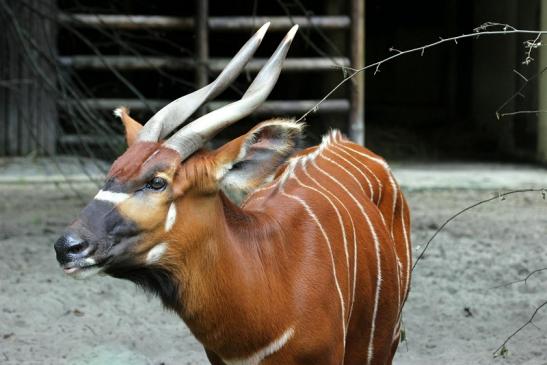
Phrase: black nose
[70,248]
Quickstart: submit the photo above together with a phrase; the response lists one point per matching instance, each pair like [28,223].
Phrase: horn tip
[292,32]
[119,111]
[262,31]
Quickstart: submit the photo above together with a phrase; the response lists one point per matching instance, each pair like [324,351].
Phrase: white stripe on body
[359,171]
[378,264]
[304,168]
[266,351]
[344,147]
[252,195]
[346,170]
[407,246]
[396,192]
[327,240]
[342,228]
[378,160]
[382,163]
[111,197]
[395,195]
[340,148]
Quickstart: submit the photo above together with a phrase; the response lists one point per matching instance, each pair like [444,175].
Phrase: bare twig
[524,280]
[519,112]
[521,75]
[91,329]
[519,92]
[502,349]
[499,196]
[530,45]
[482,30]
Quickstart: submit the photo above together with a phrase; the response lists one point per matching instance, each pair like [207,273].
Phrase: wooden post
[28,112]
[357,46]
[542,93]
[202,44]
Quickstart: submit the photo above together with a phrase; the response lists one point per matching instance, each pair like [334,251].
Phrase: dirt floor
[453,316]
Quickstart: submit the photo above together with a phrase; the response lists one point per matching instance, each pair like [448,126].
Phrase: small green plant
[502,352]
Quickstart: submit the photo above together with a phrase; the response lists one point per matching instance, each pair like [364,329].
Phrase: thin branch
[502,349]
[519,92]
[499,196]
[479,31]
[525,280]
[521,75]
[518,112]
[530,45]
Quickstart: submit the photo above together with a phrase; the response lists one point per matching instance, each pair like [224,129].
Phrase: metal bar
[290,64]
[269,107]
[293,106]
[542,96]
[215,64]
[127,62]
[238,23]
[278,23]
[357,112]
[79,139]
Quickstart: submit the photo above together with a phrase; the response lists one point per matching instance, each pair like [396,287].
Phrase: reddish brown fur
[248,274]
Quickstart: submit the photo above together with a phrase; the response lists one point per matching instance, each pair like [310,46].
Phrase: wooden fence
[30,106]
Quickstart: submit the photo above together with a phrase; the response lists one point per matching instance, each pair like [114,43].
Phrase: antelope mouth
[84,269]
[74,269]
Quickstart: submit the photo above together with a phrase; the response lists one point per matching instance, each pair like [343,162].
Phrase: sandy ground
[453,315]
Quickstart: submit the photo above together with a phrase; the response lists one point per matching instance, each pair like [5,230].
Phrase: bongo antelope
[269,255]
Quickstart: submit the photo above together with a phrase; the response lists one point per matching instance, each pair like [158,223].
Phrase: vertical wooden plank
[12,133]
[202,44]
[4,78]
[29,115]
[357,45]
[24,88]
[542,97]
[45,101]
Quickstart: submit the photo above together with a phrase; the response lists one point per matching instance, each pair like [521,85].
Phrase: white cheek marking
[111,197]
[271,348]
[171,217]
[90,261]
[156,253]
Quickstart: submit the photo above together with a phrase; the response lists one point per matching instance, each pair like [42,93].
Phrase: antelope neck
[221,278]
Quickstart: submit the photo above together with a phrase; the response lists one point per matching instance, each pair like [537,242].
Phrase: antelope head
[159,196]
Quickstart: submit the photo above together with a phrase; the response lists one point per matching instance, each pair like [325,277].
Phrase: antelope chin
[82,272]
[83,269]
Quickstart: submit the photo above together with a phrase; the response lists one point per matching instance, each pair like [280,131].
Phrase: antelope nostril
[70,247]
[78,248]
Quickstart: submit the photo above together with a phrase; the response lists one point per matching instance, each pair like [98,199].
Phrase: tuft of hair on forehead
[199,171]
[129,165]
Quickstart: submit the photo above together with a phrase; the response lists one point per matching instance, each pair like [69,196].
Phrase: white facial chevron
[111,197]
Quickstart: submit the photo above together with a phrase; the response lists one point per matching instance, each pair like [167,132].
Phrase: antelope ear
[251,160]
[132,127]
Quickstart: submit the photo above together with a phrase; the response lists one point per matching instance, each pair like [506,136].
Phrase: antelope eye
[157,183]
